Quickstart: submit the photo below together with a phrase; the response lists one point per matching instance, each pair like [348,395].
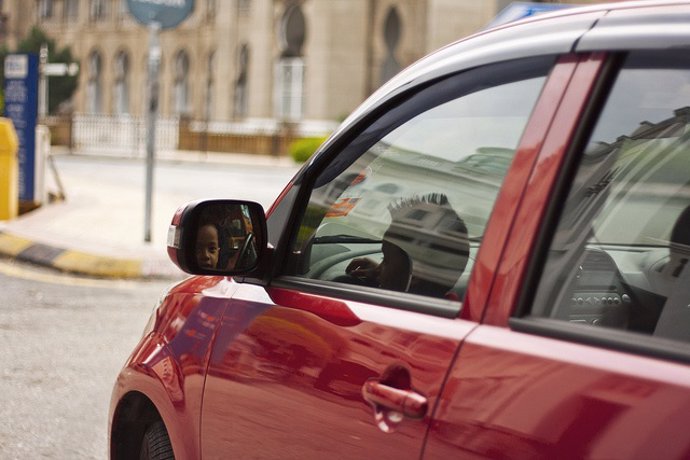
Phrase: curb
[71,261]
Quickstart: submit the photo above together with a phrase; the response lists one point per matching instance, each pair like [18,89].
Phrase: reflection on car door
[290,371]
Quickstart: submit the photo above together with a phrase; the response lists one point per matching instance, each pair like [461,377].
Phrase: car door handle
[407,402]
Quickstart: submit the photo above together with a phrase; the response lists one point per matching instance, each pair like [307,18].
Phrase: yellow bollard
[9,170]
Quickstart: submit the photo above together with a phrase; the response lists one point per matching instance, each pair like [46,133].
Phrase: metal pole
[153,64]
[43,82]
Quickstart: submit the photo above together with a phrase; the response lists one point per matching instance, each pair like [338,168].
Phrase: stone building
[248,61]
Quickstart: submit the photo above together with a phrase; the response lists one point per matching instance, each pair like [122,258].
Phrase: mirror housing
[218,237]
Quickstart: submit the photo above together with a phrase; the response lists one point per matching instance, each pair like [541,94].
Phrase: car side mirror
[218,237]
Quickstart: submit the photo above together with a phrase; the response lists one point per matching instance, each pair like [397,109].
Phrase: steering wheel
[244,250]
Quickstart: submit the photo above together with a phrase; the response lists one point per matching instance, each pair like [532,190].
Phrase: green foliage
[301,149]
[3,52]
[60,88]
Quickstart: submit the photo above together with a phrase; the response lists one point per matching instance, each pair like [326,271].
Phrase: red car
[488,259]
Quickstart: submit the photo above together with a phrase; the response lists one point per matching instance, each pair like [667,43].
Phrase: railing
[121,134]
[126,134]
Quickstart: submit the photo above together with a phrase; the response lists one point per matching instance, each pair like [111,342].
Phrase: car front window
[426,185]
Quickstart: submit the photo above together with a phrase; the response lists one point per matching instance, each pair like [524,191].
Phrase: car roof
[607,26]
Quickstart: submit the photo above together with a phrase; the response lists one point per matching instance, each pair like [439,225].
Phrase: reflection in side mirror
[223,237]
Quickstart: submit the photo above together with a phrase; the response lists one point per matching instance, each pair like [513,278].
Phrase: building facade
[247,61]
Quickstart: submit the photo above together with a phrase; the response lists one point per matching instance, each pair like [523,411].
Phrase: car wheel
[156,444]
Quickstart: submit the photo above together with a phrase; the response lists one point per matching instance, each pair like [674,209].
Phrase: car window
[619,253]
[404,206]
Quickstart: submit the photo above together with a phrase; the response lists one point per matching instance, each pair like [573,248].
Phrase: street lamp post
[153,65]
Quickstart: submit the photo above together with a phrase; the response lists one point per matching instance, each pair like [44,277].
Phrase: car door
[586,339]
[344,354]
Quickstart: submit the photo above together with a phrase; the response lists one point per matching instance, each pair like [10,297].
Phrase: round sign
[167,13]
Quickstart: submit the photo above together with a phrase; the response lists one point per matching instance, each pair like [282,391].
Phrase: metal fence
[122,134]
[125,135]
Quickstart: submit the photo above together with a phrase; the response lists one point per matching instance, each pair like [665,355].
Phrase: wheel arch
[133,415]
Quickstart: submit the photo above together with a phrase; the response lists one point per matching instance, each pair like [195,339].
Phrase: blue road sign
[21,106]
[167,13]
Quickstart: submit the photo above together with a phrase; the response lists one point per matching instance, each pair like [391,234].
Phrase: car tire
[156,444]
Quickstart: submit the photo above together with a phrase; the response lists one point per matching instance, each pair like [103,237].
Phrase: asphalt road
[62,342]
[63,339]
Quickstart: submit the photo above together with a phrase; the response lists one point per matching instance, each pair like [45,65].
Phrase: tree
[60,88]
[3,53]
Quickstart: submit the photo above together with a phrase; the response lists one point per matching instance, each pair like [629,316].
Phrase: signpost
[50,69]
[167,13]
[156,15]
[21,106]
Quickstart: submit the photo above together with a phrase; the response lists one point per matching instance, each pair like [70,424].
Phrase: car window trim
[401,300]
[611,339]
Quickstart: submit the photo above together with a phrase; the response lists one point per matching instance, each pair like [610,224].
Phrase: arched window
[241,100]
[121,96]
[211,9]
[292,32]
[45,9]
[94,87]
[97,10]
[181,88]
[391,35]
[290,68]
[71,10]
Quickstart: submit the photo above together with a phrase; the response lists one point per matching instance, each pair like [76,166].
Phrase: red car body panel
[169,364]
[536,397]
[293,367]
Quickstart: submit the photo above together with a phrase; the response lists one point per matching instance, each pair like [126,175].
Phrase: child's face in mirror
[207,247]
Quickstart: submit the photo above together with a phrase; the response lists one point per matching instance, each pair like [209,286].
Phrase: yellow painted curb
[13,245]
[80,262]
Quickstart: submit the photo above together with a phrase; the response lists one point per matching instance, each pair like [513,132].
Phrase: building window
[121,83]
[94,87]
[97,10]
[45,9]
[391,35]
[289,85]
[181,94]
[292,32]
[123,11]
[71,10]
[210,10]
[244,7]
[240,104]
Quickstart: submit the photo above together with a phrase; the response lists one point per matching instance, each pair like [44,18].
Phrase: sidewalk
[96,231]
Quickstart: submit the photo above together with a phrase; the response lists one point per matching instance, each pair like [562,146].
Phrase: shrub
[301,149]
